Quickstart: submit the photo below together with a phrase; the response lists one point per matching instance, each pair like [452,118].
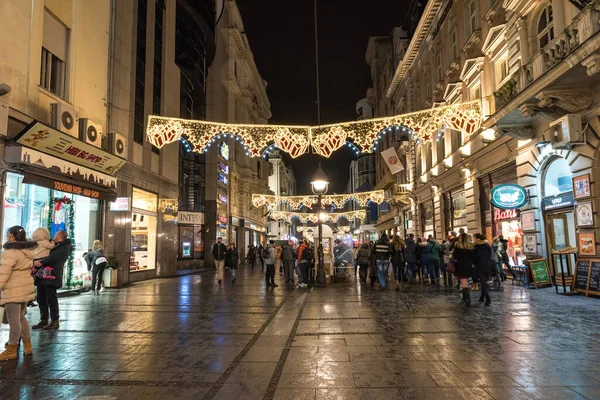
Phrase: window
[558,178]
[476,92]
[472,18]
[456,139]
[428,150]
[454,40]
[140,73]
[53,72]
[545,27]
[440,74]
[440,150]
[504,69]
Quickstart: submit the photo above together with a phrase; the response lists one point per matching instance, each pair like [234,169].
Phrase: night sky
[281,35]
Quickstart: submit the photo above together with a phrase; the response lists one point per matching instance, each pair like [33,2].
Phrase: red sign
[504,214]
[393,160]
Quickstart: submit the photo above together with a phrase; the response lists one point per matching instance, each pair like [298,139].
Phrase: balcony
[507,92]
[585,25]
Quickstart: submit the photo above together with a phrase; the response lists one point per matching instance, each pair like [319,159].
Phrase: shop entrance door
[561,234]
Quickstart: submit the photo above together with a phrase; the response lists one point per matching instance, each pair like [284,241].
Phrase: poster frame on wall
[584,213]
[581,186]
[587,241]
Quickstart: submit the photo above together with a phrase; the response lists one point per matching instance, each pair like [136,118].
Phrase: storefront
[427,219]
[144,217]
[456,211]
[222,193]
[558,208]
[254,234]
[60,183]
[190,225]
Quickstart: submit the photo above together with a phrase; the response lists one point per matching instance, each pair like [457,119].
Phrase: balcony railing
[585,25]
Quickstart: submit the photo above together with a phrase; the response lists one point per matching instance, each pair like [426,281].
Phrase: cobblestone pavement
[189,338]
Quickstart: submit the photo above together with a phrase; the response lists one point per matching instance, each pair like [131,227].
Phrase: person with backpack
[364,254]
[219,251]
[424,253]
[305,260]
[96,262]
[382,250]
[287,256]
[435,256]
[270,254]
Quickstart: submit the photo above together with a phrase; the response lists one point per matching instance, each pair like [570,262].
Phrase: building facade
[236,93]
[534,67]
[282,182]
[74,144]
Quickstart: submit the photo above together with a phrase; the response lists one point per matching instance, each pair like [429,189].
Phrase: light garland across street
[335,200]
[314,217]
[421,126]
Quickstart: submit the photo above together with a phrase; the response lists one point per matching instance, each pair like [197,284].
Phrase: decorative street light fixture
[320,185]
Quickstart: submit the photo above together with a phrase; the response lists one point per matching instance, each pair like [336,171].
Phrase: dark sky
[281,35]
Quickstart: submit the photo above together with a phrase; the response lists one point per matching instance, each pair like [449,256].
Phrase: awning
[67,185]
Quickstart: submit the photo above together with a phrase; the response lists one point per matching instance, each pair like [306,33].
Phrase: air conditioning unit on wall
[90,132]
[566,131]
[64,119]
[117,145]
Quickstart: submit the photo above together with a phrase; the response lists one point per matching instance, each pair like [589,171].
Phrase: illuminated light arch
[336,200]
[325,139]
[314,217]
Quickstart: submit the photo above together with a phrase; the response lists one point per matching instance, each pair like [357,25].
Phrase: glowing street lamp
[320,185]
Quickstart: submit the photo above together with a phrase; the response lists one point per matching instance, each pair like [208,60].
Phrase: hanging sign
[509,196]
[500,215]
[120,204]
[560,201]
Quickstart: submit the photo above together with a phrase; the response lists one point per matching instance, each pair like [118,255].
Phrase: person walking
[435,257]
[445,260]
[251,255]
[398,260]
[364,255]
[270,255]
[219,251]
[96,262]
[382,252]
[48,285]
[463,256]
[17,289]
[411,257]
[232,258]
[287,256]
[483,266]
[261,260]
[305,260]
[424,255]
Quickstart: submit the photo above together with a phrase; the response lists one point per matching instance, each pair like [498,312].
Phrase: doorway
[560,230]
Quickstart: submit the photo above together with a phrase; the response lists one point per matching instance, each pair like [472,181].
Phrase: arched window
[558,178]
[545,28]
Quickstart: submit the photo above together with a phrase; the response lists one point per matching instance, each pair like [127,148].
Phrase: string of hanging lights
[314,217]
[336,200]
[363,135]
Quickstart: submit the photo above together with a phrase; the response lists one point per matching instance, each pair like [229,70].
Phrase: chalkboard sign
[539,272]
[582,270]
[594,286]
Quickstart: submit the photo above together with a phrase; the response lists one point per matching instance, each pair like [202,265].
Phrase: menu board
[539,272]
[594,286]
[581,276]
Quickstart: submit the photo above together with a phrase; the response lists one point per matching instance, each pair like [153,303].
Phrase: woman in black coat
[463,257]
[483,266]
[232,258]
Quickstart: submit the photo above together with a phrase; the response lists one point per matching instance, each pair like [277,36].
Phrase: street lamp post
[320,185]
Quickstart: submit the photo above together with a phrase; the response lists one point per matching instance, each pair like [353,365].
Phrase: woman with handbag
[462,256]
[17,289]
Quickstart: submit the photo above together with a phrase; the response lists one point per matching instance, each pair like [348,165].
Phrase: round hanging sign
[509,196]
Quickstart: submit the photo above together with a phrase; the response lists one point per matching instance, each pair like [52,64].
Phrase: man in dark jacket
[483,266]
[46,288]
[219,251]
[382,250]
[411,257]
[287,255]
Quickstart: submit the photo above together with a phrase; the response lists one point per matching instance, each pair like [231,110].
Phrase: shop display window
[511,230]
[190,240]
[143,230]
[24,205]
[558,178]
[428,220]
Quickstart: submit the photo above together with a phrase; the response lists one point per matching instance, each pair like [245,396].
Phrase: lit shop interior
[143,230]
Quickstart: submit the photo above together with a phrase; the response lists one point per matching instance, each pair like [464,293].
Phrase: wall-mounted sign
[560,201]
[509,196]
[500,215]
[191,218]
[223,168]
[55,143]
[222,178]
[222,198]
[121,204]
[68,187]
[224,150]
[222,219]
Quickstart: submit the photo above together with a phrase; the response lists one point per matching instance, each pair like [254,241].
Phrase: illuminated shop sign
[222,198]
[509,196]
[222,219]
[121,204]
[560,201]
[223,168]
[500,215]
[222,178]
[224,151]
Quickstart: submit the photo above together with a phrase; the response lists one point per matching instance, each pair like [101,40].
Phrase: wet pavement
[190,338]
